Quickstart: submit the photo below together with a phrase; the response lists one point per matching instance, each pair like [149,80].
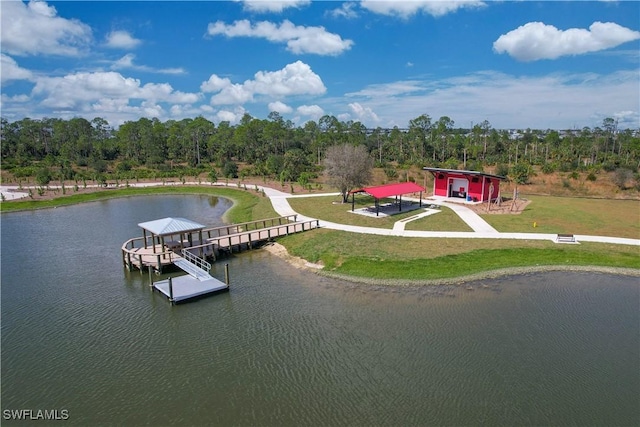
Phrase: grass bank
[387,257]
[393,258]
[246,205]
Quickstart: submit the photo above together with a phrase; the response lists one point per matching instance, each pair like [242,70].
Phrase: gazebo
[388,190]
[168,227]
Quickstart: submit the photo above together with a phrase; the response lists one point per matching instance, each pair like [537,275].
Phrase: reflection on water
[289,347]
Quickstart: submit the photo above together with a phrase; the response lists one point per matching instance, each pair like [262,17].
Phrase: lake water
[289,347]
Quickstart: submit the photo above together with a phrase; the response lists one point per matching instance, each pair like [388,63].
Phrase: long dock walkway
[216,240]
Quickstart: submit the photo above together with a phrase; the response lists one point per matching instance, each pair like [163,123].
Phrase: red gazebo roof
[397,189]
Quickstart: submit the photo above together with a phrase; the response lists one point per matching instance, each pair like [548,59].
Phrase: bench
[565,238]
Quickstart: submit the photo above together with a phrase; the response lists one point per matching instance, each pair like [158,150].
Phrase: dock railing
[226,230]
[249,238]
[196,260]
[141,253]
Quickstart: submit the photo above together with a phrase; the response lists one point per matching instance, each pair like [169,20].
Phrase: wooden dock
[149,251]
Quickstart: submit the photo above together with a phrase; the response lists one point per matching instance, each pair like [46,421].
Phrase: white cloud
[215,84]
[234,94]
[408,8]
[403,87]
[299,39]
[344,117]
[363,114]
[232,117]
[273,6]
[556,101]
[346,10]
[11,70]
[536,40]
[121,40]
[312,111]
[126,62]
[280,107]
[294,79]
[109,90]
[35,29]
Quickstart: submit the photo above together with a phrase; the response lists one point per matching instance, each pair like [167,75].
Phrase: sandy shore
[281,252]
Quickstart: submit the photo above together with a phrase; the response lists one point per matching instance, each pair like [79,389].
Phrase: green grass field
[387,257]
[599,217]
[384,257]
[330,208]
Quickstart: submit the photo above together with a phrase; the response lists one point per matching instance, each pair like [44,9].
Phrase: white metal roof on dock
[166,226]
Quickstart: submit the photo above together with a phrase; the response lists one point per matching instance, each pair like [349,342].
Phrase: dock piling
[170,290]
[150,276]
[226,274]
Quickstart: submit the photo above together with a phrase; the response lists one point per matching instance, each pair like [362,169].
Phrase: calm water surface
[287,347]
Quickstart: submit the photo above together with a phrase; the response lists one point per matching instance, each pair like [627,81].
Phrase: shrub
[230,169]
[213,176]
[591,177]
[123,166]
[621,177]
[451,163]
[43,176]
[548,168]
[502,169]
[391,172]
[520,173]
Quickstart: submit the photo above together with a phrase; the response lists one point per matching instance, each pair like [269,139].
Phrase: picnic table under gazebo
[396,190]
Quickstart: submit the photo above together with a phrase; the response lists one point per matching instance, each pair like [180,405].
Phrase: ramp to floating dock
[187,287]
[192,269]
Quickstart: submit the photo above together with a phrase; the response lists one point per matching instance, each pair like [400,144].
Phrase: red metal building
[468,185]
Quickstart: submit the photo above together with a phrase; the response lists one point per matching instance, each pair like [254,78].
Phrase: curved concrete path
[481,229]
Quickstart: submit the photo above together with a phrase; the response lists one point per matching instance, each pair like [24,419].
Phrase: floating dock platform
[187,288]
[195,284]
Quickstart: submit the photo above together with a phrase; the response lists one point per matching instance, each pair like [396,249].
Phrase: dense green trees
[275,148]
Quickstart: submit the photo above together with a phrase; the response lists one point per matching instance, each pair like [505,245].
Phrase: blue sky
[517,64]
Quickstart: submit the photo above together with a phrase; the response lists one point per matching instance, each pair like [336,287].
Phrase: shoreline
[281,252]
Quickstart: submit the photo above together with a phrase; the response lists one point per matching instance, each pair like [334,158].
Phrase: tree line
[274,147]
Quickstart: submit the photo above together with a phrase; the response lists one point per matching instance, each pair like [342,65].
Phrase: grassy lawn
[445,220]
[619,218]
[330,208]
[386,257]
[247,205]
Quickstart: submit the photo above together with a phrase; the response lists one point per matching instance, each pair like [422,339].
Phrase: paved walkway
[481,229]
